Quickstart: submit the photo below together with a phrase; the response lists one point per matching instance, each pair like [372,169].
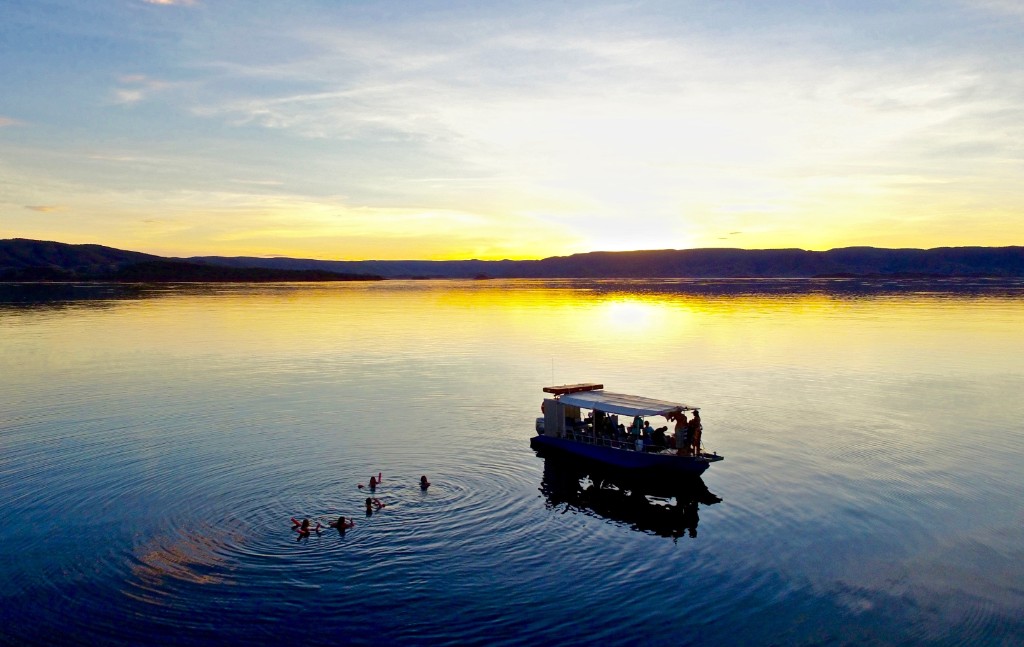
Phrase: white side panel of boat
[554,418]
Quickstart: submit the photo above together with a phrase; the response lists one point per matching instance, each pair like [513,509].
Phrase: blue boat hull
[668,463]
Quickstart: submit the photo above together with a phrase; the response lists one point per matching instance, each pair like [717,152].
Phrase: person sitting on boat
[693,431]
[658,436]
[342,524]
[573,423]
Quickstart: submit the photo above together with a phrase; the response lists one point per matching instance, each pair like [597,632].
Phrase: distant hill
[792,263]
[30,260]
[690,263]
[34,260]
[169,270]
[60,258]
[388,269]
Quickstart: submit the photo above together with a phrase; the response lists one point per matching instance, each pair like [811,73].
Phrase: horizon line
[518,260]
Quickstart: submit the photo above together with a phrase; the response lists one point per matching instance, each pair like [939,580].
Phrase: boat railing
[588,437]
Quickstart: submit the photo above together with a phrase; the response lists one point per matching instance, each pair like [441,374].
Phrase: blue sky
[365,130]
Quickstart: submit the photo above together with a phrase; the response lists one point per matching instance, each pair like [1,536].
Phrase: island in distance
[33,260]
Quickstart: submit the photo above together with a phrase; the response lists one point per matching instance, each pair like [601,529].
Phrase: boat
[599,436]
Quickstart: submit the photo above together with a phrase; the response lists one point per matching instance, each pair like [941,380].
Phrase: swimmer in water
[373,504]
[302,527]
[374,481]
[424,483]
[342,525]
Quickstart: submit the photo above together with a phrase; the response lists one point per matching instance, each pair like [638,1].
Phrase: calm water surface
[155,441]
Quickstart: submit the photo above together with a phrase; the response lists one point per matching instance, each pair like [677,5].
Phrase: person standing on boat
[682,446]
[694,430]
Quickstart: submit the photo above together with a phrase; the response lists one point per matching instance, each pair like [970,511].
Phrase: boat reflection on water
[662,506]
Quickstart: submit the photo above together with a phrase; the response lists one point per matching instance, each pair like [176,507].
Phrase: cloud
[1003,7]
[257,182]
[43,208]
[7,121]
[128,96]
[137,87]
[694,121]
[586,123]
[182,3]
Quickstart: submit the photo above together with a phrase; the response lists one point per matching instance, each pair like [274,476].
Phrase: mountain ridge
[26,259]
[23,259]
[692,263]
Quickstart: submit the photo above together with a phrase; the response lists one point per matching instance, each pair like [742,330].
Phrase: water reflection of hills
[836,287]
[60,295]
[56,296]
[663,506]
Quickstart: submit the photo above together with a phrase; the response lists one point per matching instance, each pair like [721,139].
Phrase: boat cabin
[587,413]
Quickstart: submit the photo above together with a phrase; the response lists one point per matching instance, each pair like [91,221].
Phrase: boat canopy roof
[622,404]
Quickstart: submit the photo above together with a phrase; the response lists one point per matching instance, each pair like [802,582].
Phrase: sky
[357,130]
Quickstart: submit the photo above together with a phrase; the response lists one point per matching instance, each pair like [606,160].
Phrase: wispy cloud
[7,121]
[43,208]
[137,87]
[1004,7]
[184,3]
[270,183]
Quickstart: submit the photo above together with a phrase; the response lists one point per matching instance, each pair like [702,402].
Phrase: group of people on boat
[373,504]
[640,435]
[687,432]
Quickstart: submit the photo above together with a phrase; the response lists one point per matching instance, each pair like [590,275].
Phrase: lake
[156,440]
